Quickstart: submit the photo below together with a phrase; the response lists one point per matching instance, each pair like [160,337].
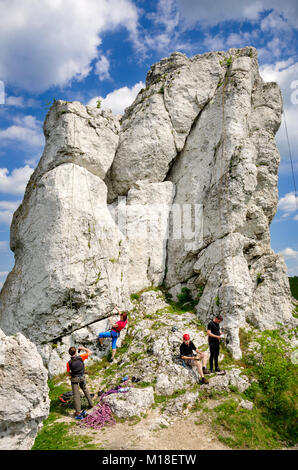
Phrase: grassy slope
[271,424]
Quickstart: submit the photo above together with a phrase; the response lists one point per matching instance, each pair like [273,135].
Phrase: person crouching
[187,349]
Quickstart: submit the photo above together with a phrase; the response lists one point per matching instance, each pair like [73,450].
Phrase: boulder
[246,404]
[135,402]
[232,378]
[24,401]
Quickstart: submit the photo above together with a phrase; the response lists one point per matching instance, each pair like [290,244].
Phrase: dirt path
[187,433]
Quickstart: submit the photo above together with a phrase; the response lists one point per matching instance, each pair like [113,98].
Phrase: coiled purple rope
[102,414]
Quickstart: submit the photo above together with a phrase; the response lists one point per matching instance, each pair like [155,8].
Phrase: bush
[277,380]
[272,423]
[294,286]
[185,299]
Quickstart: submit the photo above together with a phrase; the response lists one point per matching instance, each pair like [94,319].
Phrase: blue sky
[85,49]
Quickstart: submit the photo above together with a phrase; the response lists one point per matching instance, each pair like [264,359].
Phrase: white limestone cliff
[201,135]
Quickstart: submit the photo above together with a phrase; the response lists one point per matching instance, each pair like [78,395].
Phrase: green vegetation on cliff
[294,286]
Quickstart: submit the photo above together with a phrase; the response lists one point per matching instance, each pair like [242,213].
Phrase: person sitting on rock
[114,332]
[187,349]
[214,337]
[76,370]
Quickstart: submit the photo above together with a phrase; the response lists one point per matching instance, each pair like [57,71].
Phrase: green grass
[58,436]
[243,429]
[259,278]
[276,392]
[157,325]
[145,384]
[124,348]
[294,286]
[185,303]
[97,367]
[159,399]
[135,297]
[272,423]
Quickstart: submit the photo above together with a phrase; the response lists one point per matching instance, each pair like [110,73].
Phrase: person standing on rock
[114,332]
[76,370]
[187,349]
[214,337]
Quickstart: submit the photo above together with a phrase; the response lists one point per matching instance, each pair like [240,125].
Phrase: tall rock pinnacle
[179,192]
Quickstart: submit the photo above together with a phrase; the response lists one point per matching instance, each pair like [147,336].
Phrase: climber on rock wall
[114,332]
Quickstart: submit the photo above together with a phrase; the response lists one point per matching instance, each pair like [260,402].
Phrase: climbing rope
[70,231]
[98,242]
[102,413]
[220,184]
[223,180]
[70,235]
[223,177]
[291,159]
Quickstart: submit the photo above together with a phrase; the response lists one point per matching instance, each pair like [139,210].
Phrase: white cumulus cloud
[288,203]
[118,99]
[50,42]
[291,259]
[15,183]
[26,130]
[285,73]
[20,102]
[289,253]
[212,13]
[102,68]
[7,209]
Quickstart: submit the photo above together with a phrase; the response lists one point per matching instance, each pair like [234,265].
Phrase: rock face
[24,401]
[134,402]
[181,191]
[152,362]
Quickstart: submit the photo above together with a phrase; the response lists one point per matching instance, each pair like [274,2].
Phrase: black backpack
[65,398]
[76,366]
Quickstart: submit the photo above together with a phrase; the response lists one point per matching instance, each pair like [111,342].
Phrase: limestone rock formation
[153,363]
[134,402]
[24,402]
[181,192]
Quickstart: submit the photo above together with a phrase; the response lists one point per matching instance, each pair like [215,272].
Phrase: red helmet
[186,337]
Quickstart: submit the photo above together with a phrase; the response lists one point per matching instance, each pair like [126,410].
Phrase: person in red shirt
[114,332]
